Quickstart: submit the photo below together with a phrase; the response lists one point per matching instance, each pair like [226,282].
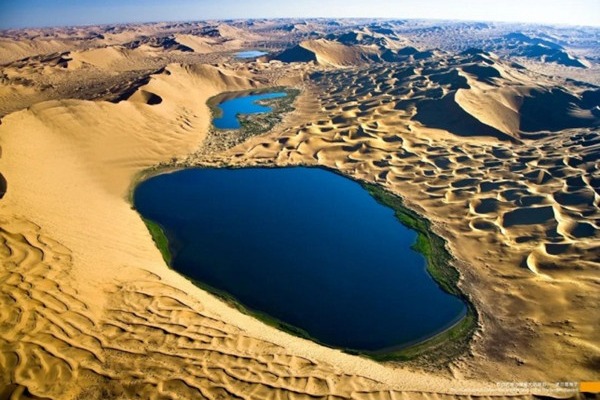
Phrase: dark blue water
[242,105]
[250,54]
[303,245]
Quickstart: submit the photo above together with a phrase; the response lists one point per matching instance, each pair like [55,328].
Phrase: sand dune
[561,110]
[382,38]
[201,44]
[296,54]
[457,120]
[143,96]
[238,34]
[112,58]
[11,50]
[542,49]
[502,105]
[15,97]
[327,52]
[496,108]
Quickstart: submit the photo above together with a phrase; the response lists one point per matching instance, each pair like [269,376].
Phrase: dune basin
[305,246]
[247,104]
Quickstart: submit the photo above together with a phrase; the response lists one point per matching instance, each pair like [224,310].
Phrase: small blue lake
[250,54]
[304,245]
[230,109]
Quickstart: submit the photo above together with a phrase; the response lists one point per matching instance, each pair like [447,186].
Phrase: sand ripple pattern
[541,194]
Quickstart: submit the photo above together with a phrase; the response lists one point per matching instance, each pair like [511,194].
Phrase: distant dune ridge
[542,49]
[503,161]
[351,48]
[481,102]
[327,52]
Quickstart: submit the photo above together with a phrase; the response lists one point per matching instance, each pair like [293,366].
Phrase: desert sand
[502,160]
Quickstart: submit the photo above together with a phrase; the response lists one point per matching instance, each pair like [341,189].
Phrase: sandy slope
[207,45]
[114,320]
[112,58]
[89,310]
[329,53]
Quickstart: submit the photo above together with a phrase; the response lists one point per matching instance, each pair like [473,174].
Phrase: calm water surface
[303,245]
[250,54]
[242,105]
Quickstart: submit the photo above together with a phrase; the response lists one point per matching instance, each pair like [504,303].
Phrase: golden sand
[88,308]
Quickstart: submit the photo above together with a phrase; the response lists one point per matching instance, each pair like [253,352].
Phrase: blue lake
[250,54]
[242,105]
[304,245]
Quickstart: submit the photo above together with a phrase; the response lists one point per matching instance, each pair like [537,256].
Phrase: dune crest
[327,52]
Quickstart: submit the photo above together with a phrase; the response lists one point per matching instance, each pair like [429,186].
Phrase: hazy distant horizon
[40,13]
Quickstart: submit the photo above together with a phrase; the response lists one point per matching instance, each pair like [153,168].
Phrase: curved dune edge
[94,312]
[328,53]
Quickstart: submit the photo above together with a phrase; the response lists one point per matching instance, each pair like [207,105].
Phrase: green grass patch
[160,239]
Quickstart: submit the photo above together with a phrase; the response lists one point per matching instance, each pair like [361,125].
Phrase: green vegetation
[160,239]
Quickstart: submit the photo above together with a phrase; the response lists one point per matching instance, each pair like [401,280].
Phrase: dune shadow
[3,185]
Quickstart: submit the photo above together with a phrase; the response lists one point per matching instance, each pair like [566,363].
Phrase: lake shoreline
[444,344]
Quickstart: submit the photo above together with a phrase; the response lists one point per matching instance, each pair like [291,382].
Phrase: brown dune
[327,52]
[296,54]
[143,96]
[201,44]
[498,108]
[11,50]
[447,114]
[561,110]
[110,58]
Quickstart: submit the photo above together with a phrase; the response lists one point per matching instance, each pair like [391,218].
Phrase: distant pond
[250,54]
